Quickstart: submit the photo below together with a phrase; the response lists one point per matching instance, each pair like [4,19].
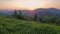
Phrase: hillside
[41,12]
[15,26]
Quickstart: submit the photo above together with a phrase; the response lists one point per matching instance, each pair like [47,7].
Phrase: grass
[15,26]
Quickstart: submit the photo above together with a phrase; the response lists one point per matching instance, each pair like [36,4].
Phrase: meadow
[16,26]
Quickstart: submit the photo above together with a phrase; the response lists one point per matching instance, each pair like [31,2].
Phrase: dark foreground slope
[15,26]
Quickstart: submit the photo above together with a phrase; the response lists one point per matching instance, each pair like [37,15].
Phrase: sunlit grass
[16,26]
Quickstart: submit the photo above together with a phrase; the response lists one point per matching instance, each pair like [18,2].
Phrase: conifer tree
[15,14]
[35,17]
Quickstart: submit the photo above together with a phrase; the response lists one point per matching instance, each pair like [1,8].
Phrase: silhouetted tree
[20,16]
[35,17]
[15,14]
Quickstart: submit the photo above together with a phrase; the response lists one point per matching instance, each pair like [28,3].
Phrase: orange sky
[29,4]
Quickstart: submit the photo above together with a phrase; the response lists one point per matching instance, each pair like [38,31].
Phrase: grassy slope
[15,26]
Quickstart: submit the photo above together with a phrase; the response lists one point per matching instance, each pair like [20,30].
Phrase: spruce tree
[35,17]
[15,14]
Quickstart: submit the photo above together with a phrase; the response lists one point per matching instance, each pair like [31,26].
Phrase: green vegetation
[16,26]
[23,24]
[46,19]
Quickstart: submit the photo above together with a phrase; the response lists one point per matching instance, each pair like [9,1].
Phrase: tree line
[46,19]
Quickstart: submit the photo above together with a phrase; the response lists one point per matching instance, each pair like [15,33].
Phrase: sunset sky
[29,4]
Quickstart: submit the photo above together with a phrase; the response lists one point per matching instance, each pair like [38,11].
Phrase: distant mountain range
[40,12]
[6,12]
[48,12]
